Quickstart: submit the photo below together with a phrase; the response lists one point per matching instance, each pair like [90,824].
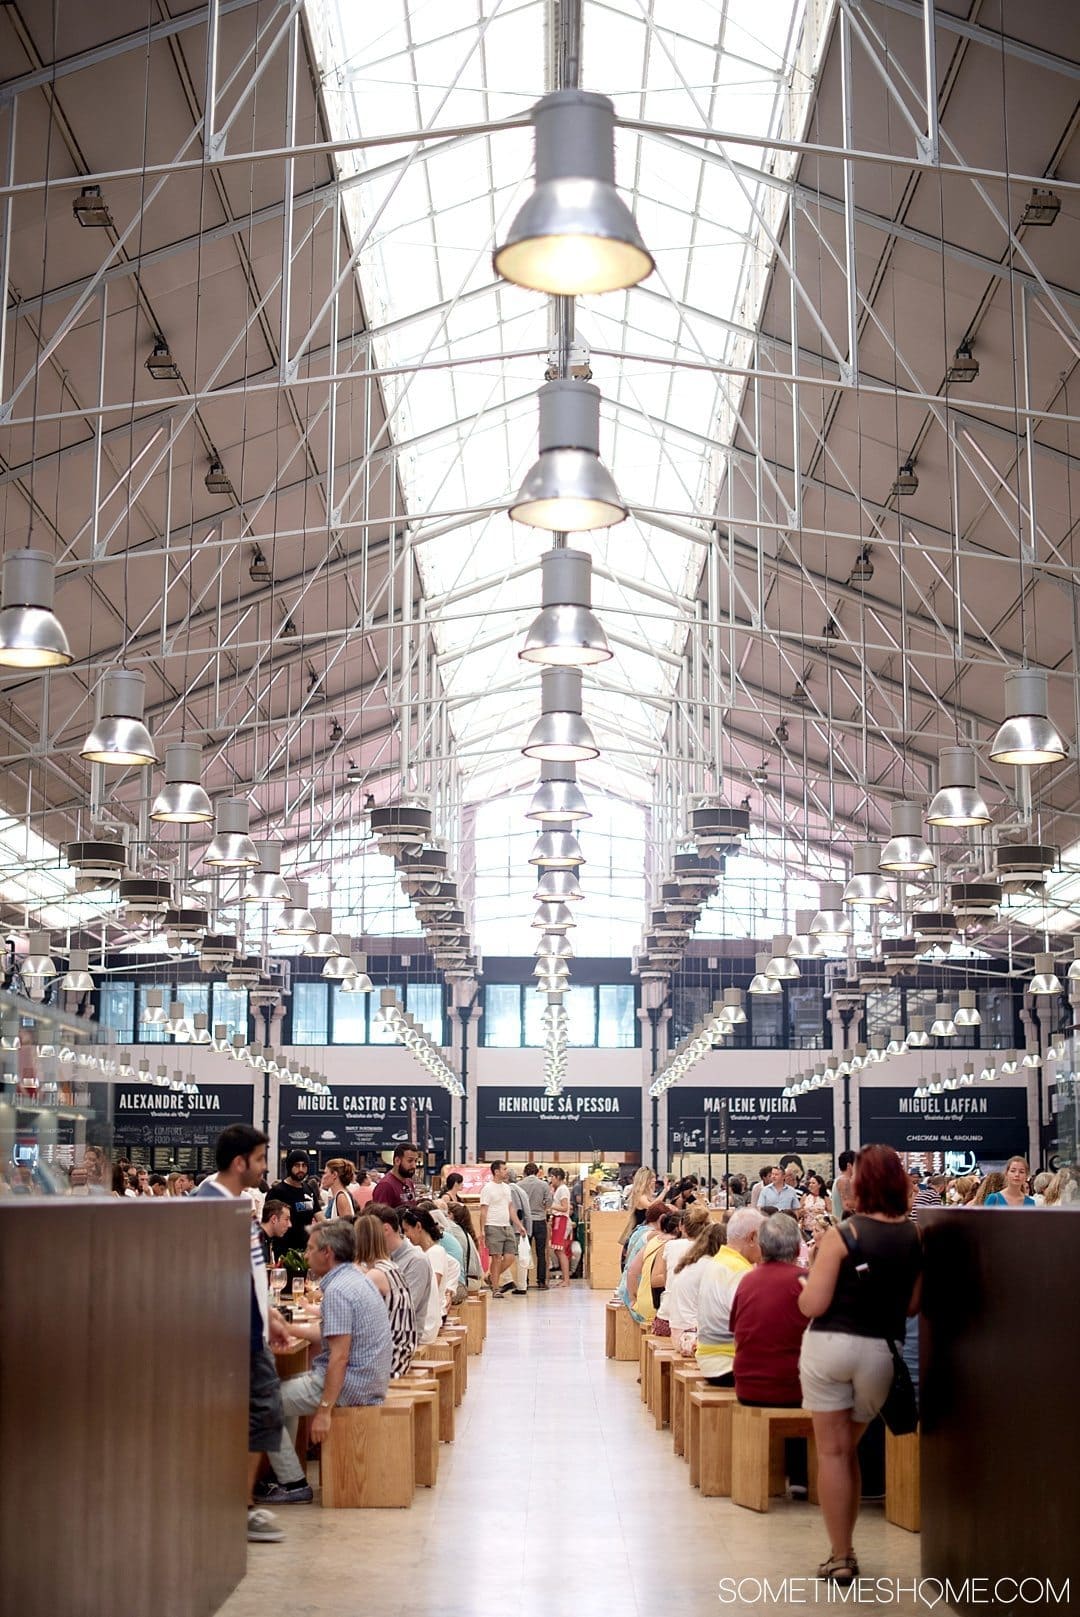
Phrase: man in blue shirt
[777,1194]
[353,1363]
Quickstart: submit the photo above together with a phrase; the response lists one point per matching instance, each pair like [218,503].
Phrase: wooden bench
[663,1362]
[649,1347]
[708,1439]
[684,1375]
[445,1348]
[757,1453]
[902,1501]
[472,1315]
[367,1457]
[424,1397]
[441,1371]
[457,1338]
[622,1332]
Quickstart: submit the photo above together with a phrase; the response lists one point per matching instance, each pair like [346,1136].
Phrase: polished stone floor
[559,1496]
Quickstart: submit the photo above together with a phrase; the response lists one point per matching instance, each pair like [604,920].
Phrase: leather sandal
[839,1569]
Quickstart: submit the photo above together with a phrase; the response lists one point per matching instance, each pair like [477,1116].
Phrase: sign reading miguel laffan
[755,1119]
[984,1122]
[579,1119]
[372,1118]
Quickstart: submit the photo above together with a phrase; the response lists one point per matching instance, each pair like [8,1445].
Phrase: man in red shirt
[395,1189]
[768,1327]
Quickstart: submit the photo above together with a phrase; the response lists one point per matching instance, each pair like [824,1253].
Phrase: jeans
[539,1246]
[300,1395]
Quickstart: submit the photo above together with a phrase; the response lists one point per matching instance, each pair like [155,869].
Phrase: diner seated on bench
[768,1327]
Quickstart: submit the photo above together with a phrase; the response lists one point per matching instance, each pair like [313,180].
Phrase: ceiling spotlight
[867,887]
[575,235]
[231,847]
[259,568]
[964,367]
[1045,980]
[907,481]
[566,633]
[558,796]
[906,852]
[119,736]
[760,775]
[182,800]
[781,733]
[217,479]
[568,489]
[958,801]
[31,635]
[336,732]
[560,735]
[161,364]
[1042,207]
[1027,735]
[77,979]
[863,570]
[90,210]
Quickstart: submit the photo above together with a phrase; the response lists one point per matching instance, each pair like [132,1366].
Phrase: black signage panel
[352,1121]
[756,1120]
[580,1119]
[982,1122]
[158,1128]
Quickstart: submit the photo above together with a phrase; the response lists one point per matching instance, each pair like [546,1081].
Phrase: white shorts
[838,1371]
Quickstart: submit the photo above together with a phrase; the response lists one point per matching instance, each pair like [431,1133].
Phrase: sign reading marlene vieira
[579,1119]
[757,1119]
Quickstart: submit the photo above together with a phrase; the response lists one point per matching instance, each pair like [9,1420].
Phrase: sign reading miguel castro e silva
[579,1119]
[757,1120]
[986,1122]
[369,1118]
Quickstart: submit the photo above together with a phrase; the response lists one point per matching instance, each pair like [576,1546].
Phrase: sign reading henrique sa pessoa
[585,1120]
[757,1120]
[352,1121]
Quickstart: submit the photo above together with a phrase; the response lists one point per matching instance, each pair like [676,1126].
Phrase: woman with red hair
[864,1281]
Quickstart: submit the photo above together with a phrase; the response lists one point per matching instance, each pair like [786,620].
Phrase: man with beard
[301,1197]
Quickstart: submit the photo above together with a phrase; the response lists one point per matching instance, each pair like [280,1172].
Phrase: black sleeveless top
[874,1284]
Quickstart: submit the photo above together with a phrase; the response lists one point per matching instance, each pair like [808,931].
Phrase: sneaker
[263,1527]
[507,1285]
[288,1493]
[519,1292]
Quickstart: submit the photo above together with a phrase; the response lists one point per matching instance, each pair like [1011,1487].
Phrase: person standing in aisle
[562,1229]
[502,1226]
[297,1191]
[240,1154]
[843,1190]
[540,1195]
[524,1212]
[396,1188]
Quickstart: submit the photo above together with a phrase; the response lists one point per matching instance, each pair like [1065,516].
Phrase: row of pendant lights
[416,1041]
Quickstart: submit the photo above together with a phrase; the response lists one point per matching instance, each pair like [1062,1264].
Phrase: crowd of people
[804,1294]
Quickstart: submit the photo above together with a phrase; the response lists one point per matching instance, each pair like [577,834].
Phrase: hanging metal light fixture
[575,235]
[1027,735]
[37,968]
[558,796]
[830,925]
[77,978]
[761,982]
[31,635]
[958,801]
[917,1038]
[266,884]
[867,887]
[781,965]
[182,800]
[568,489]
[733,1006]
[119,736]
[554,917]
[557,848]
[326,945]
[566,634]
[967,1013]
[296,927]
[906,852]
[231,848]
[803,945]
[1045,980]
[558,887]
[943,1026]
[359,982]
[560,734]
[897,1040]
[554,946]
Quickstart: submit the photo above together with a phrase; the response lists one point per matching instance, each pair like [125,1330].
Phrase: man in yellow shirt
[719,1281]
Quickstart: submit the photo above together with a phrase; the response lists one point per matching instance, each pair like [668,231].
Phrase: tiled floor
[558,1496]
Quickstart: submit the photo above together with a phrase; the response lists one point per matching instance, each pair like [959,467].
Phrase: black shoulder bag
[900,1411]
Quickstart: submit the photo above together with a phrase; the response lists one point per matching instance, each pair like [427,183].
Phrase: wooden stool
[441,1371]
[367,1457]
[627,1336]
[424,1397]
[611,1314]
[646,1350]
[902,1503]
[441,1352]
[684,1375]
[661,1367]
[484,1298]
[472,1313]
[457,1340]
[708,1439]
[757,1453]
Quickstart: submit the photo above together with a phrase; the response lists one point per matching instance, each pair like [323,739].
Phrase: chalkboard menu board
[355,1122]
[757,1121]
[580,1119]
[159,1129]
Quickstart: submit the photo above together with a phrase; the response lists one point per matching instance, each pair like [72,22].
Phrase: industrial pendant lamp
[943,1026]
[830,925]
[897,1040]
[37,968]
[296,927]
[575,235]
[77,978]
[1027,735]
[560,734]
[554,917]
[566,634]
[31,635]
[326,945]
[359,982]
[558,796]
[558,887]
[867,887]
[781,965]
[967,1012]
[1045,980]
[119,736]
[958,801]
[918,1038]
[266,885]
[557,848]
[231,847]
[554,946]
[568,490]
[906,852]
[761,982]
[803,945]
[733,1006]
[182,800]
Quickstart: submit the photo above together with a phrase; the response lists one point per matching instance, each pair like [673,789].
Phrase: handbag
[900,1411]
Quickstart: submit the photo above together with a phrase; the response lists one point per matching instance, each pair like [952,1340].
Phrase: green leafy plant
[294,1261]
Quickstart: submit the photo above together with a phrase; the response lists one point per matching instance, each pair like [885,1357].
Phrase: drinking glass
[277,1281]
